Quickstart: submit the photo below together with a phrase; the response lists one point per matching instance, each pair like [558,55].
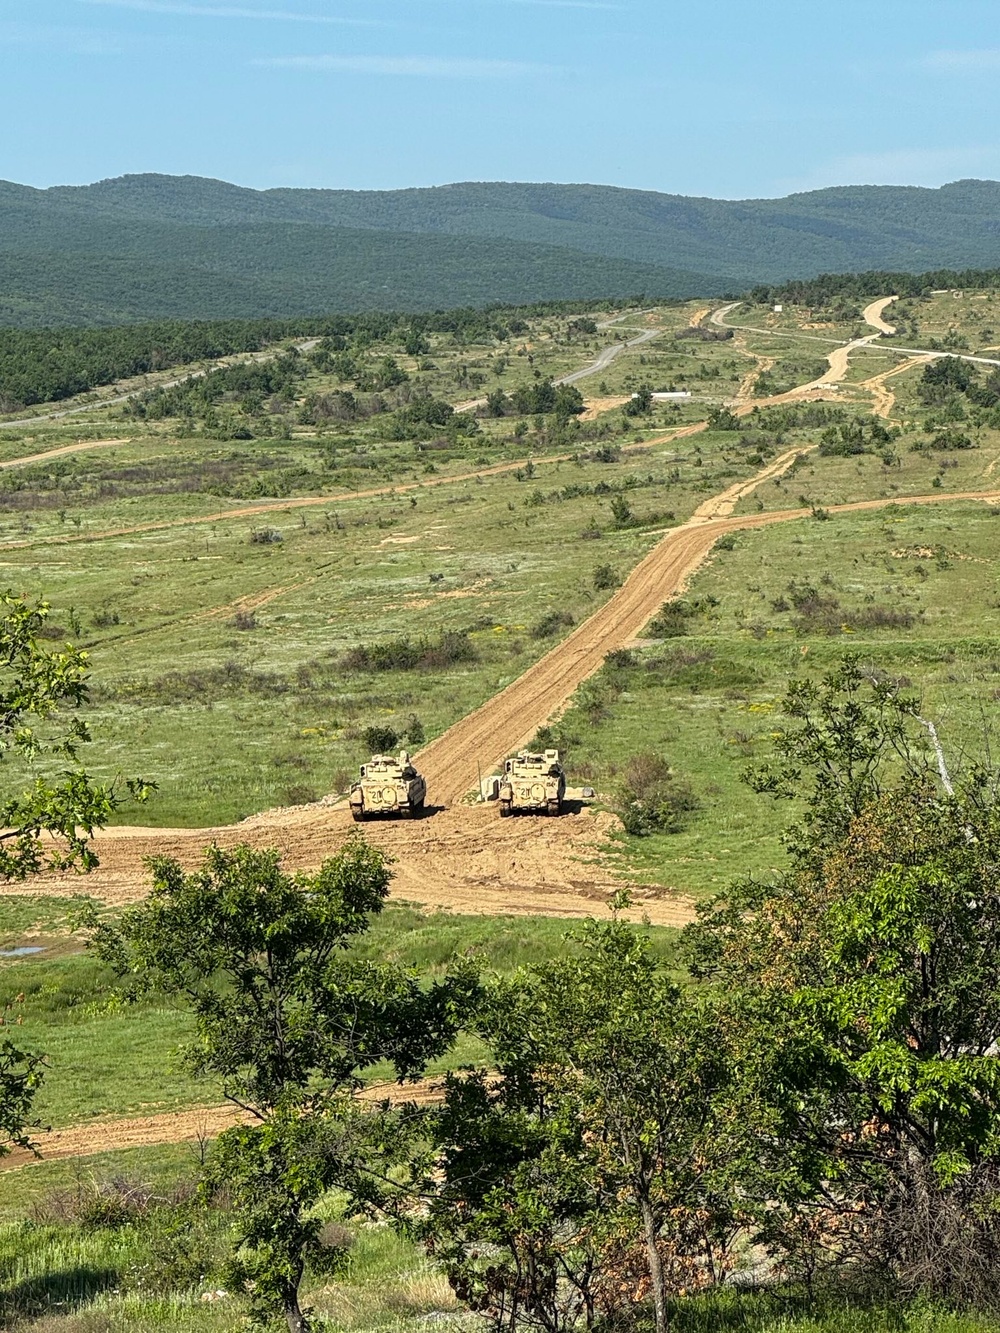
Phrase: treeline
[867,286]
[49,365]
[810,1092]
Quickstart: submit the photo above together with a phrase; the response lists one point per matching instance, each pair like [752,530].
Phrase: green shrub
[379,740]
[551,624]
[406,654]
[652,798]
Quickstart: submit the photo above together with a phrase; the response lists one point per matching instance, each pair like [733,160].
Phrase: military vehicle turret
[388,786]
[532,782]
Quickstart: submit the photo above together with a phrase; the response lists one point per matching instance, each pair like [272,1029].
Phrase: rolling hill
[151,246]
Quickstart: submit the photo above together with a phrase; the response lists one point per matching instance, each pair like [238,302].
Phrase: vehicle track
[191,1125]
[313,501]
[885,399]
[81,446]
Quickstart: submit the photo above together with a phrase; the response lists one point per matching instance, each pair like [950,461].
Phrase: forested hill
[149,246]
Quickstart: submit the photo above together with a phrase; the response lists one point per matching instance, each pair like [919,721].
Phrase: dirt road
[192,1125]
[81,447]
[607,355]
[885,399]
[828,384]
[872,315]
[462,857]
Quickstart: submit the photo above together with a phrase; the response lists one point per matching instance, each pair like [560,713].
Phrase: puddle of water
[22,951]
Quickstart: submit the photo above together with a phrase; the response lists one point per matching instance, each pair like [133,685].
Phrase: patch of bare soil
[596,407]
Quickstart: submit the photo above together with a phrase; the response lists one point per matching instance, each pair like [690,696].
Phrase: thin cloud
[230,12]
[420,67]
[962,62]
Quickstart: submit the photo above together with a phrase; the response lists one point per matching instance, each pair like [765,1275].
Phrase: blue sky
[713,97]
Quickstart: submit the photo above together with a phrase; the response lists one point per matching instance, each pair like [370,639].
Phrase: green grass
[232,720]
[61,1271]
[787,1311]
[710,701]
[107,1060]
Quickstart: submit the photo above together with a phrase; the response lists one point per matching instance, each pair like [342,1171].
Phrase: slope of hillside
[148,246]
[844,228]
[68,269]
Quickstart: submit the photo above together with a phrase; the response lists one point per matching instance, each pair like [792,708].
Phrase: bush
[406,654]
[551,624]
[652,798]
[379,740]
[265,537]
[721,418]
[113,1204]
[671,622]
[605,578]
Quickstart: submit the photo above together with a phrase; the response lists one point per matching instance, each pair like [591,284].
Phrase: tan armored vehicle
[533,782]
[388,786]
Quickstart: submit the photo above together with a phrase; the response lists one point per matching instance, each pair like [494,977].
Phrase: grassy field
[108,1060]
[251,609]
[231,636]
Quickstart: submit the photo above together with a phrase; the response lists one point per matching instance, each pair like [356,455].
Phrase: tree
[641,402]
[621,512]
[721,418]
[287,1019]
[865,996]
[862,988]
[852,740]
[36,687]
[20,1078]
[576,1179]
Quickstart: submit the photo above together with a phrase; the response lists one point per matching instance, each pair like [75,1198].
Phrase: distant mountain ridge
[149,246]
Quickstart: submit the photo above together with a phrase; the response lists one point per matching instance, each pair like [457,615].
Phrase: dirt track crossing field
[188,1126]
[461,857]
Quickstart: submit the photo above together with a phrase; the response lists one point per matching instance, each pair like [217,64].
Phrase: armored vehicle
[388,786]
[533,782]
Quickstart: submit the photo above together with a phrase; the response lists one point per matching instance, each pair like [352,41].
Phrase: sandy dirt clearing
[596,407]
